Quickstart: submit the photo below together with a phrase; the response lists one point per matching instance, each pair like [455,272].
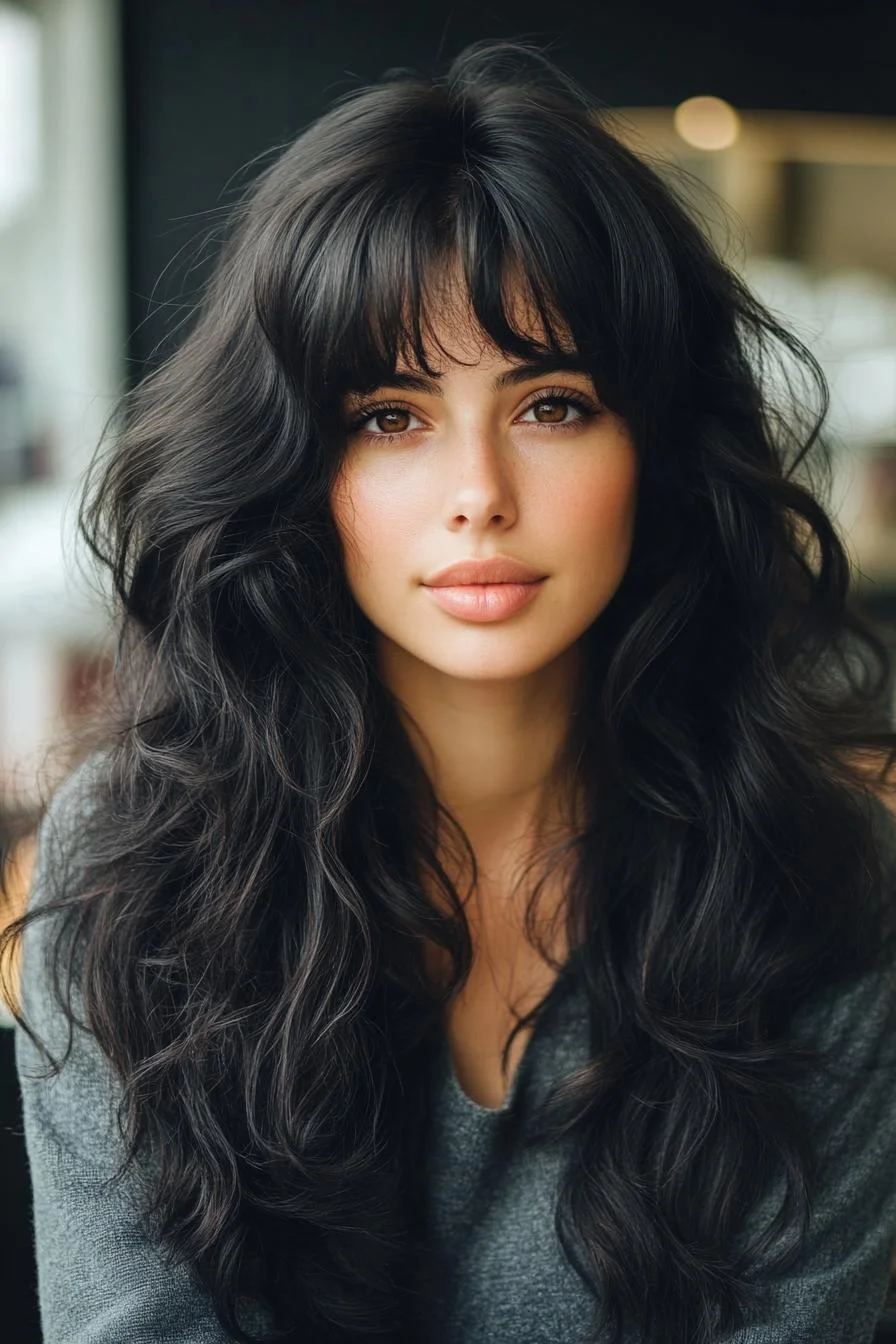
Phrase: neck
[493,751]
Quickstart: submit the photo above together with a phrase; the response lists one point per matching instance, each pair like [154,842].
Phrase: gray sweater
[504,1277]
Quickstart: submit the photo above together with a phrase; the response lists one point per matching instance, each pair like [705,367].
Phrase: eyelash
[588,411]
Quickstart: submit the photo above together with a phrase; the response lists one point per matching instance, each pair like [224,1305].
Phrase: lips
[485,602]
[497,569]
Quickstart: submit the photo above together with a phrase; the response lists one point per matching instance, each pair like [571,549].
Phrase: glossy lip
[483,602]
[495,569]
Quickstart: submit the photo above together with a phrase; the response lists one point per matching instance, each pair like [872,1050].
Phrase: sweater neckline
[553,997]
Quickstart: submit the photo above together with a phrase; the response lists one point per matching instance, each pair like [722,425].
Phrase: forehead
[453,328]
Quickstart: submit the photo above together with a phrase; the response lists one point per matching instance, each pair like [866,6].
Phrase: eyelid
[363,413]
[572,394]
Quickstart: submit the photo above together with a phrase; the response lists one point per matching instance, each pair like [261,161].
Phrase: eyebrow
[520,373]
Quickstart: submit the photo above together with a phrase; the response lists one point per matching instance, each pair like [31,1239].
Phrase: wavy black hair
[248,927]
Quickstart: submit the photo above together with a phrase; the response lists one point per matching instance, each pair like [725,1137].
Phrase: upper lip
[497,569]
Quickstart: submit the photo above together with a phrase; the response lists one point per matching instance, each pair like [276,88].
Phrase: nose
[481,486]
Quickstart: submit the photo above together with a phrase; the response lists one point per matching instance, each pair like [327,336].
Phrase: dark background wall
[212,84]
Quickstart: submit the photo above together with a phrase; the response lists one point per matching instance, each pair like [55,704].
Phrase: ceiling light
[707,123]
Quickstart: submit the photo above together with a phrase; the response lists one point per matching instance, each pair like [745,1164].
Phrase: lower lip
[485,601]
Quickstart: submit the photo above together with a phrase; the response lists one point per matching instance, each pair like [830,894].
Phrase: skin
[478,471]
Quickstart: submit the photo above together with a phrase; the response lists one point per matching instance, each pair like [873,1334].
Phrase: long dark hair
[248,924]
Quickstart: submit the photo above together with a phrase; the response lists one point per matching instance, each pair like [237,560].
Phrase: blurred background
[127,130]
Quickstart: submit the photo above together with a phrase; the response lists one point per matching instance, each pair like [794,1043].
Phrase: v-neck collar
[448,1073]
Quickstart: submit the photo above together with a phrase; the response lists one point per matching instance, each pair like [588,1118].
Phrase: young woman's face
[491,459]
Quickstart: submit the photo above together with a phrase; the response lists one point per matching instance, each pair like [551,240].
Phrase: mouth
[485,602]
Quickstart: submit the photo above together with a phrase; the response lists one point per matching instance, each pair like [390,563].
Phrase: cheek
[598,507]
[373,519]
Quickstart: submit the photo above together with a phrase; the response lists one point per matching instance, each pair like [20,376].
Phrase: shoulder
[857,1019]
[72,802]
[853,1025]
[58,854]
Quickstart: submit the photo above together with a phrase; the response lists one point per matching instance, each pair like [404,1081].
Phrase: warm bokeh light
[707,123]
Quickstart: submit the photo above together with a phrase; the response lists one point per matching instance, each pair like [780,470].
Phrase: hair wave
[247,926]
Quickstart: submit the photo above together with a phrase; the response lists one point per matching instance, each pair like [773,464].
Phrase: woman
[501,954]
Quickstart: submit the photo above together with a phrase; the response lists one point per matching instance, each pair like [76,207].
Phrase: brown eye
[386,420]
[553,410]
[556,411]
[382,422]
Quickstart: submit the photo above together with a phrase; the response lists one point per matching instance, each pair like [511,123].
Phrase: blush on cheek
[606,503]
